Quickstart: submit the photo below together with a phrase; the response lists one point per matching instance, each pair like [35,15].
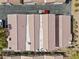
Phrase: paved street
[23,9]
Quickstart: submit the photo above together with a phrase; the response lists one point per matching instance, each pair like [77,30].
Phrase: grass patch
[74,56]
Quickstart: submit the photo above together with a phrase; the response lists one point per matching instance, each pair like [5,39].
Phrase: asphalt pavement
[33,9]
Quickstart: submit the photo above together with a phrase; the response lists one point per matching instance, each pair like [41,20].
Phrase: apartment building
[17,57]
[21,29]
[11,1]
[38,32]
[55,32]
[33,57]
[16,26]
[48,57]
[45,1]
[31,1]
[65,35]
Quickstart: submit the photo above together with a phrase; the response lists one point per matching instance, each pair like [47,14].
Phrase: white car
[1,23]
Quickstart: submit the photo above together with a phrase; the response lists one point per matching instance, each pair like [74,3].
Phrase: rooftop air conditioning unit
[29,43]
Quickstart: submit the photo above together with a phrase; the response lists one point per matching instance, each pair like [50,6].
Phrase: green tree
[3,36]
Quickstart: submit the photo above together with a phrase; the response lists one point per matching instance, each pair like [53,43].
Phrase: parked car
[44,11]
[2,23]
